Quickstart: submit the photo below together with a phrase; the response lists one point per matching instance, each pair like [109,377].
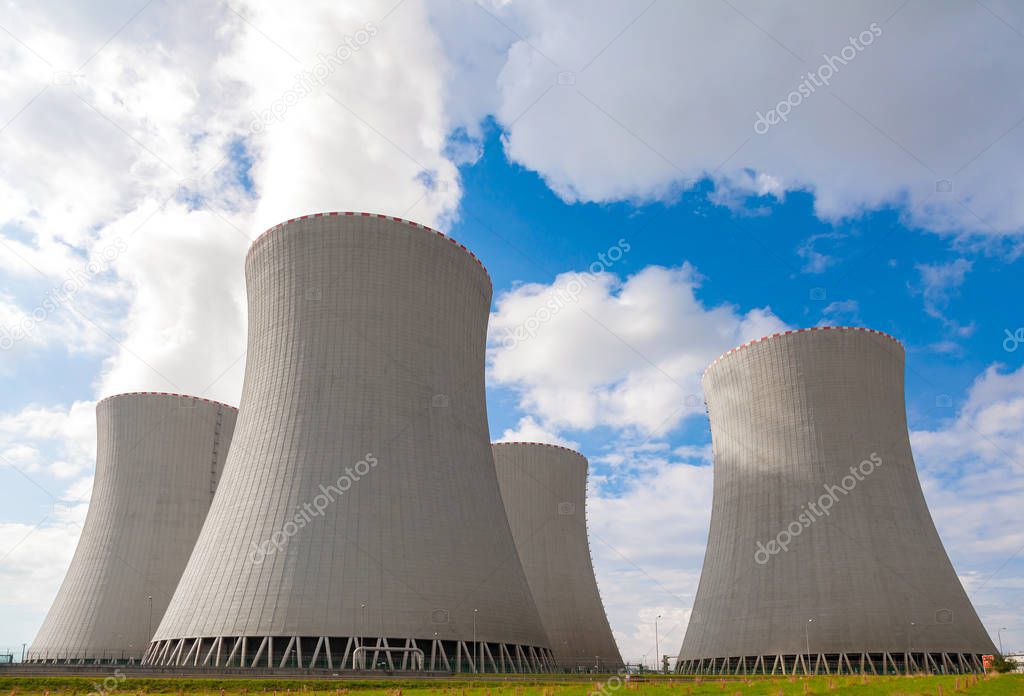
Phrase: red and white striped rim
[540,444]
[798,331]
[179,396]
[374,215]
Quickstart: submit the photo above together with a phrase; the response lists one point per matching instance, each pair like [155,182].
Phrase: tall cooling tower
[822,554]
[158,459]
[544,488]
[359,522]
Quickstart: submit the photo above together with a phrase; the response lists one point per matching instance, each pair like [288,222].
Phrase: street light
[476,647]
[362,621]
[910,649]
[657,650]
[807,639]
[150,598]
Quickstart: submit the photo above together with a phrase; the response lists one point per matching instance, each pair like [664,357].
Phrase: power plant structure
[158,459]
[359,523]
[361,519]
[822,555]
[544,488]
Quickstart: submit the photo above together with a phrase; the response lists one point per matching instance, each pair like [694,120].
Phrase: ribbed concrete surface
[366,336]
[544,488]
[790,415]
[158,459]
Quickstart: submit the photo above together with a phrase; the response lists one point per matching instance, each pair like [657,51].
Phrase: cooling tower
[158,458]
[544,488]
[359,522]
[822,555]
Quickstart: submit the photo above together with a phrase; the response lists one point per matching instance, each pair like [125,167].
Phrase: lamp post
[23,651]
[476,647]
[150,599]
[807,640]
[657,649]
[362,622]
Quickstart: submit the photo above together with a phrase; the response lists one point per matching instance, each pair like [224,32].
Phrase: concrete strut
[822,554]
[544,488]
[359,524]
[158,459]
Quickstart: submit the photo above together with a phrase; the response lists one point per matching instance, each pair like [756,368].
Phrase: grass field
[992,685]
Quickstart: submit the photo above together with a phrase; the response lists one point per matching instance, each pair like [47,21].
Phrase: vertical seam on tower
[216,448]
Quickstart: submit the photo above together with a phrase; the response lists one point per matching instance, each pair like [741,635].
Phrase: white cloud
[939,283]
[33,560]
[184,330]
[529,430]
[611,101]
[372,136]
[151,144]
[648,550]
[733,191]
[151,147]
[841,312]
[58,442]
[55,449]
[971,470]
[816,260]
[623,353]
[986,431]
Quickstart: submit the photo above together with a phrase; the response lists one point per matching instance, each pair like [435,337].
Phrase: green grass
[995,685]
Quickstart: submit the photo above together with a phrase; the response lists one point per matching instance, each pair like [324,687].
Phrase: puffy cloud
[347,109]
[194,128]
[841,312]
[55,449]
[529,430]
[184,329]
[610,101]
[593,349]
[142,131]
[985,434]
[816,260]
[939,282]
[57,442]
[648,550]
[37,556]
[971,472]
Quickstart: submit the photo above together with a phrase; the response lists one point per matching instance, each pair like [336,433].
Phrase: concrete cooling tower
[822,555]
[544,488]
[158,459]
[359,523]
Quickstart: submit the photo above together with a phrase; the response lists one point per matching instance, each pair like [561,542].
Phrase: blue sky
[542,136]
[525,234]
